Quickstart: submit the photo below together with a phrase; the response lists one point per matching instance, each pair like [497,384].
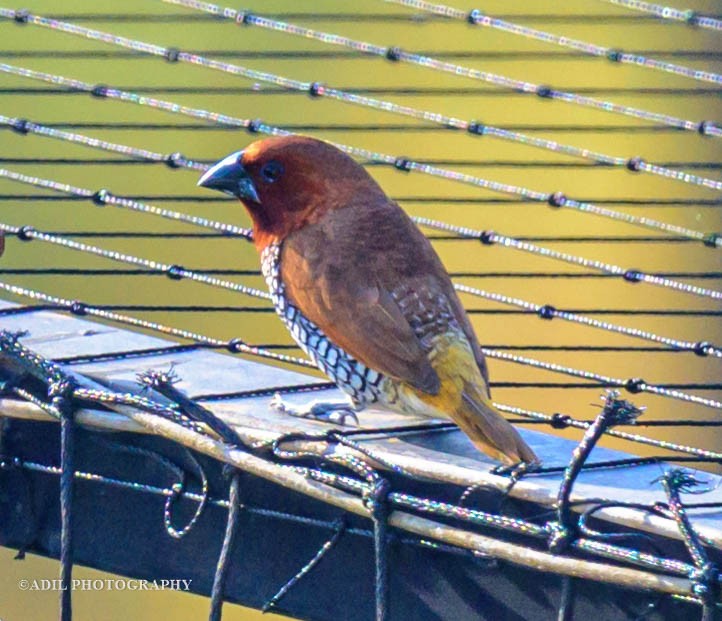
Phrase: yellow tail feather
[489,430]
[464,398]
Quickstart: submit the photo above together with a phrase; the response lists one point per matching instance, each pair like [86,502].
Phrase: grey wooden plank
[207,372]
[256,413]
[57,335]
[200,372]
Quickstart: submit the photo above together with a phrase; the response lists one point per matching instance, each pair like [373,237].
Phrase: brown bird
[362,290]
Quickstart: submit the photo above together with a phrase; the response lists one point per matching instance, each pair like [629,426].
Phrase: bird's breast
[364,385]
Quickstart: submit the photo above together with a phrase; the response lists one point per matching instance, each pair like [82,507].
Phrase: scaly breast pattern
[365,386]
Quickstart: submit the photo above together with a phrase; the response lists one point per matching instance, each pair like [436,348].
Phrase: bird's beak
[229,176]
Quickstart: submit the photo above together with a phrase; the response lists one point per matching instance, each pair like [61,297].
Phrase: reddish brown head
[288,182]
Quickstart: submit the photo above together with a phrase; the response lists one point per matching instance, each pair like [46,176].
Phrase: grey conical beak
[229,176]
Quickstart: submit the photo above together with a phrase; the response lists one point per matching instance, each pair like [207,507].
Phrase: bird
[362,291]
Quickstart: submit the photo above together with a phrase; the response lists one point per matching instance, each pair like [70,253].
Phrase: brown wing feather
[341,271]
[463,319]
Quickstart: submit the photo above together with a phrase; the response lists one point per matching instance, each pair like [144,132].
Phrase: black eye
[272,171]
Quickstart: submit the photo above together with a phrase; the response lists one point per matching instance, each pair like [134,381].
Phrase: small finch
[362,291]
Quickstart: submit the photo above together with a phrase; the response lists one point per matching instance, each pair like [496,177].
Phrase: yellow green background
[496,107]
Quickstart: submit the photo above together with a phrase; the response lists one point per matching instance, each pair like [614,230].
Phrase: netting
[503,174]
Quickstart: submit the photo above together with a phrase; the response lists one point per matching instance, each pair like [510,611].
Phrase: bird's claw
[518,470]
[340,416]
[277,403]
[336,413]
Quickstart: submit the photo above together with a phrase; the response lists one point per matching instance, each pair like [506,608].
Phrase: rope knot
[25,233]
[20,126]
[635,164]
[474,17]
[254,126]
[394,53]
[175,272]
[712,240]
[172,54]
[376,498]
[632,275]
[560,421]
[547,312]
[487,237]
[62,388]
[78,308]
[316,89]
[154,378]
[99,90]
[100,198]
[635,385]
[10,338]
[619,411]
[557,199]
[705,582]
[679,480]
[476,128]
[244,17]
[560,537]
[175,160]
[704,127]
[236,346]
[403,164]
[691,17]
[21,16]
[61,392]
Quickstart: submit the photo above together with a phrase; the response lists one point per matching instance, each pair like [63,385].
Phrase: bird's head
[288,182]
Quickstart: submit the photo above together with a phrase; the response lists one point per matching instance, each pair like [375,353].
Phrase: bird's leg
[335,412]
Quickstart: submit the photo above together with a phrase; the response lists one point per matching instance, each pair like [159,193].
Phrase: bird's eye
[272,171]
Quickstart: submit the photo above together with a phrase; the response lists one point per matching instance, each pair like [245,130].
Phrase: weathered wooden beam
[286,477]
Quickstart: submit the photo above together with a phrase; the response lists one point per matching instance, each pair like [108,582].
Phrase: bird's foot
[518,470]
[335,412]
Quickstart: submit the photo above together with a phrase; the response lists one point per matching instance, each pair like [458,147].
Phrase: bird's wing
[463,319]
[342,272]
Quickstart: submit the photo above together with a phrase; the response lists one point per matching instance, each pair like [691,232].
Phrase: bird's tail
[488,429]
